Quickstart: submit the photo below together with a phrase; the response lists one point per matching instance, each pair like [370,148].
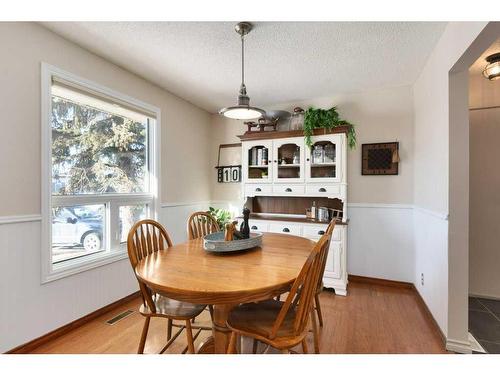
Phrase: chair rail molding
[439,215]
[180,204]
[19,219]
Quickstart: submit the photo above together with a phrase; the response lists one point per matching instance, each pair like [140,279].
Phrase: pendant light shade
[492,70]
[243,110]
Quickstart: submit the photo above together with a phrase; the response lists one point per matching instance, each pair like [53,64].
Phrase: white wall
[378,204]
[29,309]
[484,185]
[439,170]
[380,241]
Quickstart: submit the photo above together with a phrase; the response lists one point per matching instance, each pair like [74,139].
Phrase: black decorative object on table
[244,227]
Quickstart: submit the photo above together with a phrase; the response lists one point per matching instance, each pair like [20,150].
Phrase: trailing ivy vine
[317,118]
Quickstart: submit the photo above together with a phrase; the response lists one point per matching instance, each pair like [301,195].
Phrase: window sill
[74,266]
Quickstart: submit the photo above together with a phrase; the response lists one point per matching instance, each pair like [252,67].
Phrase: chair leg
[144,334]
[278,297]
[254,346]
[318,310]
[189,336]
[304,346]
[169,329]
[211,310]
[315,332]
[231,349]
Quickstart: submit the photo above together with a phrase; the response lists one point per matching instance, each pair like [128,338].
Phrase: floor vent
[119,317]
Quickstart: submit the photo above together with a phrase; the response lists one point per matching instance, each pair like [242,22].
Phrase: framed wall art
[380,159]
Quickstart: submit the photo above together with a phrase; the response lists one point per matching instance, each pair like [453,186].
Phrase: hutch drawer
[286,228]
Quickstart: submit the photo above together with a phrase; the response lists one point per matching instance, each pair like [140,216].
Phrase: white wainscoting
[30,310]
[431,259]
[380,241]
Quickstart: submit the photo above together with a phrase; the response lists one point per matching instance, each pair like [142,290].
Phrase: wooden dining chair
[145,238]
[282,325]
[317,305]
[200,224]
[319,288]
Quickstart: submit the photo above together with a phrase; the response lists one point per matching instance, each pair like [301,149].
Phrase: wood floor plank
[371,319]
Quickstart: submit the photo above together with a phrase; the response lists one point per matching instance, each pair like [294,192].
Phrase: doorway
[484,205]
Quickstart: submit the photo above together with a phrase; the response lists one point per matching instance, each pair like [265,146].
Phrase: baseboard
[384,282]
[33,344]
[458,346]
[427,312]
[496,298]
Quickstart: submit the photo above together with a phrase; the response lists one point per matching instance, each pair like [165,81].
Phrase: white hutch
[281,179]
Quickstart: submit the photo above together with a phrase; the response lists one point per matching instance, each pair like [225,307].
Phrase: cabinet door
[333,265]
[288,160]
[324,160]
[256,161]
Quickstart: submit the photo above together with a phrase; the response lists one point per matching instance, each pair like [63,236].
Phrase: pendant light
[492,70]
[242,111]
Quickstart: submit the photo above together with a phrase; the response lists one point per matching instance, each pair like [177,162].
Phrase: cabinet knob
[258,189]
[288,190]
[275,161]
[321,232]
[286,230]
[254,227]
[307,159]
[322,190]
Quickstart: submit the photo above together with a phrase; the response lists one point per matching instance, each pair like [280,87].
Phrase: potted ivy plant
[317,118]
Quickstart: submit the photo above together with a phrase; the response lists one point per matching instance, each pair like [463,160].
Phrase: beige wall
[484,208]
[441,179]
[379,116]
[24,46]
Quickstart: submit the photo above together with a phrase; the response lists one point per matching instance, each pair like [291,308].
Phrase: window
[101,173]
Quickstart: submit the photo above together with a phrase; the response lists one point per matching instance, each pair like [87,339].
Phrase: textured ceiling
[285,61]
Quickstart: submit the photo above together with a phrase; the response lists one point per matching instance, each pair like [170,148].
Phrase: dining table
[187,272]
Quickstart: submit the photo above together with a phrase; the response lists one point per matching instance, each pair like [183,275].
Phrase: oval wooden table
[187,272]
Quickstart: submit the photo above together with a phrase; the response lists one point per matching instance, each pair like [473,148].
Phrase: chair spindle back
[303,289]
[200,224]
[144,238]
[329,233]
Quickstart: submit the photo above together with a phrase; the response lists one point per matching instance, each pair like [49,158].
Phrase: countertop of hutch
[257,135]
[295,219]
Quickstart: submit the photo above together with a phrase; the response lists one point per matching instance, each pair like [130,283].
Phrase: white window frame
[49,271]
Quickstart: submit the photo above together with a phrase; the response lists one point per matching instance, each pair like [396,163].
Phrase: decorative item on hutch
[228,172]
[297,119]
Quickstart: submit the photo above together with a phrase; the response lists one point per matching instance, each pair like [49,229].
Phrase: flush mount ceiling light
[492,70]
[242,111]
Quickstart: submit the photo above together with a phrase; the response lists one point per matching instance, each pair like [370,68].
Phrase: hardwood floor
[371,319]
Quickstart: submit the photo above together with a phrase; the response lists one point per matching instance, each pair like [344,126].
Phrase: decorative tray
[215,242]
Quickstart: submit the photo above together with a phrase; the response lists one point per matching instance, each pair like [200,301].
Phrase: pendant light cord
[242,61]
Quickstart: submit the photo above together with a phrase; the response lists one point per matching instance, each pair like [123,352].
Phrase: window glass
[129,215]
[77,231]
[96,152]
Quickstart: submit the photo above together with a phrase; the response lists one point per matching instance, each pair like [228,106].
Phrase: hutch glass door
[324,159]
[257,166]
[288,160]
